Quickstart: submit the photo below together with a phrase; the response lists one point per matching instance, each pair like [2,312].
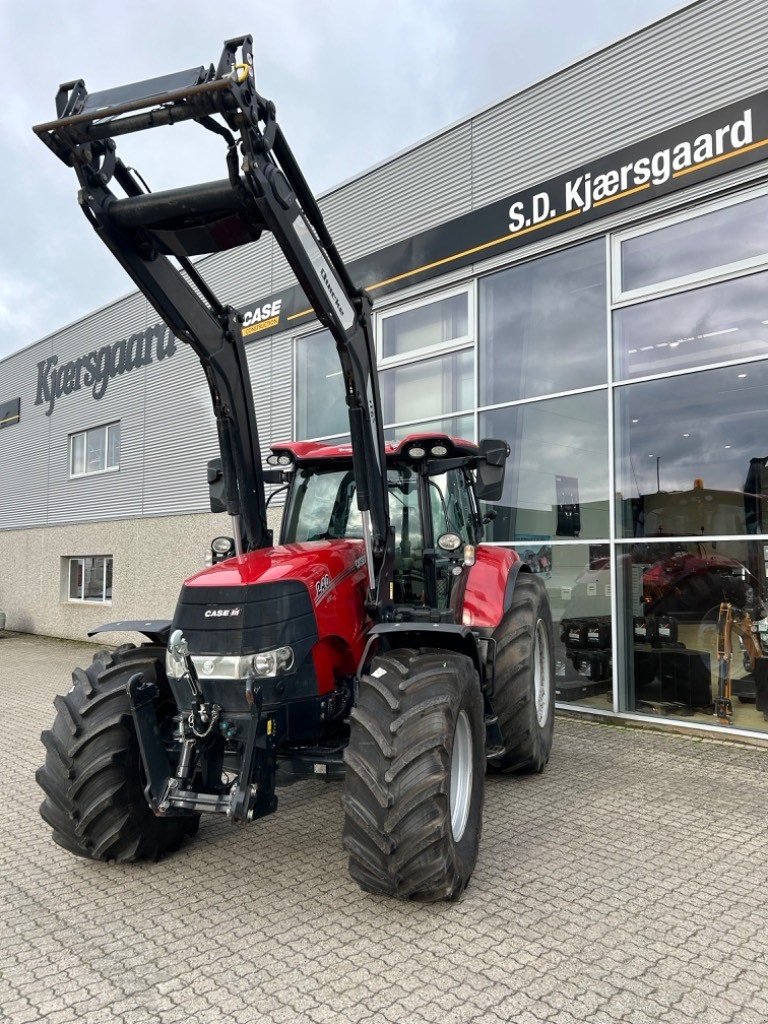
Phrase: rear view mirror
[216,490]
[490,469]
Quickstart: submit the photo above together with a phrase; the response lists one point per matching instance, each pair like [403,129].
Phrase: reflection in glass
[691,454]
[96,450]
[578,582]
[543,326]
[434,323]
[696,632]
[714,239]
[321,410]
[706,325]
[430,387]
[462,427]
[556,484]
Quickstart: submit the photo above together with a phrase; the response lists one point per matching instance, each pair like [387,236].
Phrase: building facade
[581,269]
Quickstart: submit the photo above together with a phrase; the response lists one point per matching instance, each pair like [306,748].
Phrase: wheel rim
[541,673]
[461,775]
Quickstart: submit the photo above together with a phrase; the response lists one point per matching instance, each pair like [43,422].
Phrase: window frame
[468,340]
[68,560]
[670,286]
[84,433]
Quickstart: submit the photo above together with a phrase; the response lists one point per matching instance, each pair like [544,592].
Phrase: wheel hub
[461,775]
[541,674]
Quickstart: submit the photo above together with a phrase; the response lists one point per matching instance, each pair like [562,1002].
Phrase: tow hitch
[171,793]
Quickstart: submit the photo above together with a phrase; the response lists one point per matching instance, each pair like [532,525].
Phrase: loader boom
[154,236]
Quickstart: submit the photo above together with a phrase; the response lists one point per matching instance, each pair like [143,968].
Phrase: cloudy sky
[354,81]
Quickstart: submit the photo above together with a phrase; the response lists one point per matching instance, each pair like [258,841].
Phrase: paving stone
[597,899]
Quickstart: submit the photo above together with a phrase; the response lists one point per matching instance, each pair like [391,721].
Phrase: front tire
[524,688]
[413,791]
[92,777]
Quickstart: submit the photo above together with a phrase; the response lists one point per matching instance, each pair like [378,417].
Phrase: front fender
[489,586]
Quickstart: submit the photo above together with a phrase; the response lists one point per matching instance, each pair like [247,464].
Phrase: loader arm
[153,236]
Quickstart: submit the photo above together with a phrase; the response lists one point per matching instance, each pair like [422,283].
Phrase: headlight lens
[264,665]
[273,663]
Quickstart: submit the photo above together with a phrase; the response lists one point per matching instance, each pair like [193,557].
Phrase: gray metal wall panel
[238,278]
[179,436]
[704,57]
[24,445]
[108,495]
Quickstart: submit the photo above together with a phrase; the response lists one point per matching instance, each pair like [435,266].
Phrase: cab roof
[414,446]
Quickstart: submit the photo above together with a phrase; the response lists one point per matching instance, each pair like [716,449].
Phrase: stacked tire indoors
[524,693]
[413,792]
[92,776]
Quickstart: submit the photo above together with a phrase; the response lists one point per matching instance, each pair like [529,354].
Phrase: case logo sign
[96,369]
[262,318]
[582,192]
[221,613]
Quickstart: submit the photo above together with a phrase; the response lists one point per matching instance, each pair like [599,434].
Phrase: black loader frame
[268,193]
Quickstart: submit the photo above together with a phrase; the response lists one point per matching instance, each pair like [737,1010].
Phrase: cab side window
[451,507]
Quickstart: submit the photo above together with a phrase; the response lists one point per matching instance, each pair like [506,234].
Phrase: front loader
[379,641]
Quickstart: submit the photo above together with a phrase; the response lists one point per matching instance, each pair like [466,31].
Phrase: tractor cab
[433,506]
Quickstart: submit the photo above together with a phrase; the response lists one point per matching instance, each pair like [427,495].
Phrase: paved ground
[627,884]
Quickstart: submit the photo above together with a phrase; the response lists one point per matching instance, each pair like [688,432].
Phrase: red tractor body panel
[486,586]
[310,451]
[334,573]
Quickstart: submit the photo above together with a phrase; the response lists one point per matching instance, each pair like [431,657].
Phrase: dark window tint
[543,326]
[714,239]
[556,483]
[706,325]
[692,454]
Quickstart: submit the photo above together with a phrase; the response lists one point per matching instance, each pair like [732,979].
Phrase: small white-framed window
[433,324]
[89,579]
[96,450]
[720,239]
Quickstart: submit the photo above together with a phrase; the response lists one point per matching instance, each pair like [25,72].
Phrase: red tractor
[379,641]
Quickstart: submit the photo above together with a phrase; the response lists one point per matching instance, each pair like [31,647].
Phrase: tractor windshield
[322,506]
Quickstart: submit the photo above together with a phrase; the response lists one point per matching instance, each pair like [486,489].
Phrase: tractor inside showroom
[379,640]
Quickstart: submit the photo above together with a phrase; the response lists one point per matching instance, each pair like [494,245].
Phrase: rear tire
[92,777]
[524,689]
[413,791]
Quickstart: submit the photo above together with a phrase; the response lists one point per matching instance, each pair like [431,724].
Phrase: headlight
[264,665]
[222,545]
[273,663]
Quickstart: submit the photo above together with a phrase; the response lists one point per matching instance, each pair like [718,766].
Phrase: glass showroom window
[691,474]
[683,602]
[427,382]
[427,362]
[577,578]
[556,483]
[89,578]
[426,325]
[717,264]
[543,326]
[729,235]
[94,451]
[321,410]
[691,454]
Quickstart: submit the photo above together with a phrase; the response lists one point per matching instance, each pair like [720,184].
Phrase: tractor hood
[320,565]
